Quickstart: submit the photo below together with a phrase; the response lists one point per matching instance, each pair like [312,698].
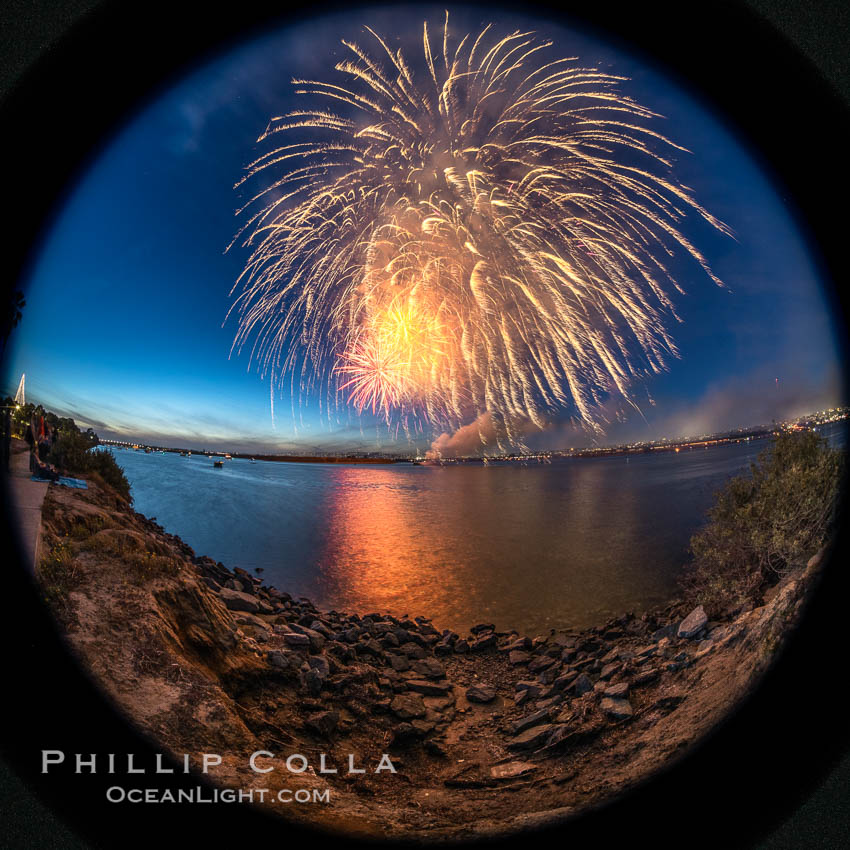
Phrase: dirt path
[27,497]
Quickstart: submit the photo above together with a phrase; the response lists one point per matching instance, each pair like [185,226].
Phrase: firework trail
[485,236]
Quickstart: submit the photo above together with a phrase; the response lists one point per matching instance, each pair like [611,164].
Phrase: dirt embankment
[488,732]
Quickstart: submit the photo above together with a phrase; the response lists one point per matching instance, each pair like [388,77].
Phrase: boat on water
[218,464]
[228,457]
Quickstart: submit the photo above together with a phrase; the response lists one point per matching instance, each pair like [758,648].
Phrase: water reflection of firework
[488,234]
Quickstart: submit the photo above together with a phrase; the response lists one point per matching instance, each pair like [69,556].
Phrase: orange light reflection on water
[479,544]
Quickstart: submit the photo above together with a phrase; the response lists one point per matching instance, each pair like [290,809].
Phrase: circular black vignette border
[731,790]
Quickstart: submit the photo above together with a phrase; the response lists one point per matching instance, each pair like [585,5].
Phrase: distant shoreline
[812,421]
[306,459]
[240,456]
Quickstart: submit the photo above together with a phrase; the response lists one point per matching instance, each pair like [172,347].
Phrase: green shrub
[764,522]
[70,451]
[73,453]
[103,463]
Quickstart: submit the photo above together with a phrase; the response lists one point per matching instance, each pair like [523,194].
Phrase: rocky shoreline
[490,731]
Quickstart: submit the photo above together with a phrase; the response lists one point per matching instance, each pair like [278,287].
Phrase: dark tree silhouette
[12,315]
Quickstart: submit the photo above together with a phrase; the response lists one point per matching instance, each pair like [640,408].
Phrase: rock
[413,650]
[429,667]
[610,657]
[541,663]
[247,619]
[481,693]
[512,769]
[609,670]
[533,688]
[323,723]
[423,727]
[533,738]
[618,691]
[469,775]
[518,656]
[389,640]
[484,642]
[320,664]
[368,647]
[314,680]
[341,651]
[236,600]
[516,645]
[399,663]
[483,627]
[244,576]
[646,677]
[563,681]
[693,623]
[436,748]
[590,644]
[663,632]
[581,685]
[528,721]
[461,646]
[618,709]
[282,658]
[407,706]
[317,640]
[320,627]
[415,637]
[548,676]
[297,640]
[431,689]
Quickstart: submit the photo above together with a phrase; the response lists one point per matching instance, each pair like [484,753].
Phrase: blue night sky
[125,304]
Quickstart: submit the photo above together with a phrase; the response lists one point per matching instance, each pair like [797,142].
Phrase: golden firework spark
[487,235]
[394,361]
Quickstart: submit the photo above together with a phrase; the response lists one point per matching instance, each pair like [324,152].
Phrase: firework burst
[488,234]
